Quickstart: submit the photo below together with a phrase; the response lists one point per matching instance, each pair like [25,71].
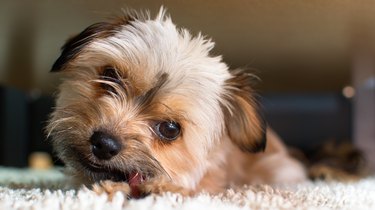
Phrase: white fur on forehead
[155,44]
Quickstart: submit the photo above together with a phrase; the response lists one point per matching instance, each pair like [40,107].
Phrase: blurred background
[316,60]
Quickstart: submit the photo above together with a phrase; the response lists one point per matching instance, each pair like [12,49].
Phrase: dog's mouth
[134,172]
[133,178]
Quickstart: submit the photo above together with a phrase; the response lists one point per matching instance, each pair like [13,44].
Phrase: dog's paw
[158,188]
[110,188]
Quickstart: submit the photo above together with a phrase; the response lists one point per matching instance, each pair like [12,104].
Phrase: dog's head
[143,99]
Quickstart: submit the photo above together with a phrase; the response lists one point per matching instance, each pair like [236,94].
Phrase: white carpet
[28,189]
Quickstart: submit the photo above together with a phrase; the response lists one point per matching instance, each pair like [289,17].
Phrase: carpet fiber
[30,189]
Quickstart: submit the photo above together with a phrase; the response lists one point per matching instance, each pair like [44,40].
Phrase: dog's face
[142,99]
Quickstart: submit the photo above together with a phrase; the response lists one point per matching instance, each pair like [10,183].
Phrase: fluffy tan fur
[161,74]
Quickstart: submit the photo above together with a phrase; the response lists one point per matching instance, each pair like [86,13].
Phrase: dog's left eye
[110,74]
[168,130]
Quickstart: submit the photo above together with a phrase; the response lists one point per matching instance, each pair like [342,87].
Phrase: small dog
[144,108]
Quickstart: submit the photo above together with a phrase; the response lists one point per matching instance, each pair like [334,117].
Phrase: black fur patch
[149,96]
[98,30]
[74,45]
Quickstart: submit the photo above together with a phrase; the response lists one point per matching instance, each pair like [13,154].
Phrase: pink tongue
[135,179]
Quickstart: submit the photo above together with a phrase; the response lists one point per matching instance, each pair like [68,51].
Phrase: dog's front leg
[156,187]
[160,186]
[110,188]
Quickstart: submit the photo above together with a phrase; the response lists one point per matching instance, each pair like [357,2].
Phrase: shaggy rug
[32,189]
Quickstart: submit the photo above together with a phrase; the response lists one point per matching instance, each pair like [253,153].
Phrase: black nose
[104,146]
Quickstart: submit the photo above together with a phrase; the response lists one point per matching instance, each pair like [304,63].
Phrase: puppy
[144,108]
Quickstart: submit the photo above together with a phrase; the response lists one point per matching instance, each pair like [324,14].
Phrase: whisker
[56,123]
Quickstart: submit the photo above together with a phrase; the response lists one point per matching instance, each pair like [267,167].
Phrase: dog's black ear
[75,44]
[245,124]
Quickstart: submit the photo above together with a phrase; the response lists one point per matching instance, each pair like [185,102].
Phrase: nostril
[104,146]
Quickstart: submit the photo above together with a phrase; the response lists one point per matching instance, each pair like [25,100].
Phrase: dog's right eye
[111,75]
[168,130]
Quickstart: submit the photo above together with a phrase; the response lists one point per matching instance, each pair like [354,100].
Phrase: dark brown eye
[111,75]
[168,130]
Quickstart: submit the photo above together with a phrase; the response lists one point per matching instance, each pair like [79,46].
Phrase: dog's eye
[110,74]
[168,130]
